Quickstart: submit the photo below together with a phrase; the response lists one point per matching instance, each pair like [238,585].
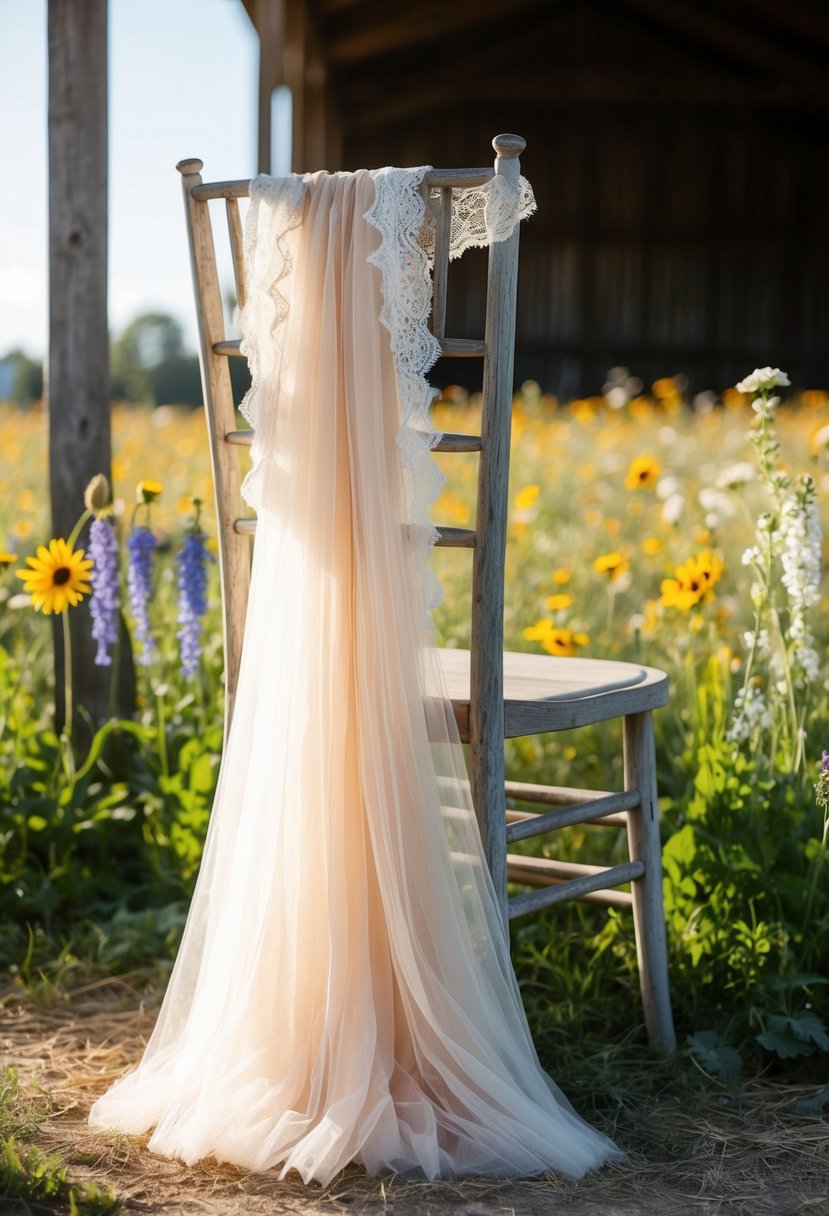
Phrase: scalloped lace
[405,219]
[262,319]
[481,215]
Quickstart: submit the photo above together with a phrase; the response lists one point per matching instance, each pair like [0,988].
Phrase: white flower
[716,504]
[737,475]
[763,378]
[800,549]
[673,508]
[751,555]
[760,639]
[821,439]
[668,486]
[750,713]
[617,397]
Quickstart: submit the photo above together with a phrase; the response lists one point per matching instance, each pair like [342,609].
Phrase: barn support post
[78,383]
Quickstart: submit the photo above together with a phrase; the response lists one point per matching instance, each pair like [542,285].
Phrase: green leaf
[714,1056]
[789,1037]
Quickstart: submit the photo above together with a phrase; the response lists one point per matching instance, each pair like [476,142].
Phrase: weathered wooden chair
[495,695]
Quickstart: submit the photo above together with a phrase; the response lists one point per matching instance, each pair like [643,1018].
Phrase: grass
[30,1180]
[98,860]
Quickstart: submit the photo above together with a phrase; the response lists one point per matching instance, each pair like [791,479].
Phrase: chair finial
[190,165]
[509,145]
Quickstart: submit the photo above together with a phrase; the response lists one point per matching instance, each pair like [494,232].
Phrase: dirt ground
[754,1156]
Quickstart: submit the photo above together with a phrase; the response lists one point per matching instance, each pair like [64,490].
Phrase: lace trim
[399,214]
[482,215]
[262,320]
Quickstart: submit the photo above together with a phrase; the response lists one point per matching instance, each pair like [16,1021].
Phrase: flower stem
[76,531]
[67,675]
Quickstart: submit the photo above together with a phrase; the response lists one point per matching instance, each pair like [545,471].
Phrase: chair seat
[545,693]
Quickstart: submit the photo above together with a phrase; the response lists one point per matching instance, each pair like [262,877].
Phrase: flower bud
[97,495]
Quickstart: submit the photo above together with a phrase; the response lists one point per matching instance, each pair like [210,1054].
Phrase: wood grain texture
[234,551]
[542,693]
[455,348]
[486,699]
[590,811]
[645,847]
[440,275]
[78,382]
[594,879]
[237,249]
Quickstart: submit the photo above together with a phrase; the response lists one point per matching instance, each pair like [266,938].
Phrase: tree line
[149,364]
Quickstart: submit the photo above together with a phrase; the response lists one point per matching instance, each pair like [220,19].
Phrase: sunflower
[643,473]
[556,641]
[693,581]
[611,564]
[58,578]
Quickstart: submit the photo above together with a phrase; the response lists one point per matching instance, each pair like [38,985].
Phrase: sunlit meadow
[629,521]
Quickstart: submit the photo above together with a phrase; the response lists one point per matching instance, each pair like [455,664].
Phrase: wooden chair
[495,695]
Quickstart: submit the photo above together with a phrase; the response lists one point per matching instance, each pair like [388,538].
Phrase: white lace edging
[262,319]
[398,213]
[482,215]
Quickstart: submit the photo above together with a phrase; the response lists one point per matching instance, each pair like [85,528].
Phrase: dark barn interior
[678,150]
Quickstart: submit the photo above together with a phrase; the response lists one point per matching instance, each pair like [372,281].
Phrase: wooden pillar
[78,387]
[270,25]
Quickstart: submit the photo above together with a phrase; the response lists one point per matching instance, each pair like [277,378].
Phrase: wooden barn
[679,151]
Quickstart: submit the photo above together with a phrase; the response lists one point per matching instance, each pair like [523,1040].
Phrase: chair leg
[648,911]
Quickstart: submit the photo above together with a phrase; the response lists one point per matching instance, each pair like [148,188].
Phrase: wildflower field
[682,539]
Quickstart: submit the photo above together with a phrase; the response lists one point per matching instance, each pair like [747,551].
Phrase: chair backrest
[488,539]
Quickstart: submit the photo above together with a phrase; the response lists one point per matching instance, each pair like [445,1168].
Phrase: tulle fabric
[343,991]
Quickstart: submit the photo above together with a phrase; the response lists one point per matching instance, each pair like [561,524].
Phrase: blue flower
[192,598]
[103,549]
[142,544]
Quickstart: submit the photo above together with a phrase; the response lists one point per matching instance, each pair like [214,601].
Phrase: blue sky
[182,82]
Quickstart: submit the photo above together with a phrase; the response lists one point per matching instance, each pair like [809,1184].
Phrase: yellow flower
[611,564]
[7,559]
[651,545]
[564,641]
[643,473]
[561,576]
[693,581]
[612,525]
[555,641]
[147,491]
[527,498]
[556,602]
[58,578]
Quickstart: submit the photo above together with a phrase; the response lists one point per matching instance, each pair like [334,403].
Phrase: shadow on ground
[756,1151]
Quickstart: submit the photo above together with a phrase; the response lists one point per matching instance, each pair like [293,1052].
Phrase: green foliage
[27,1176]
[98,852]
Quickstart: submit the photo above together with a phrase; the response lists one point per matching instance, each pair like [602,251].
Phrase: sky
[182,82]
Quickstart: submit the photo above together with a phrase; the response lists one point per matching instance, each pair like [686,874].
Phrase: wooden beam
[733,39]
[433,94]
[78,386]
[269,21]
[419,25]
[792,18]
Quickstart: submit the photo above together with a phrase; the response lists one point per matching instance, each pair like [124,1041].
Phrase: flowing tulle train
[343,991]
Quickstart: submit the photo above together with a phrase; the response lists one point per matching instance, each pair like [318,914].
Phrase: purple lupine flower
[192,598]
[103,549]
[142,544]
